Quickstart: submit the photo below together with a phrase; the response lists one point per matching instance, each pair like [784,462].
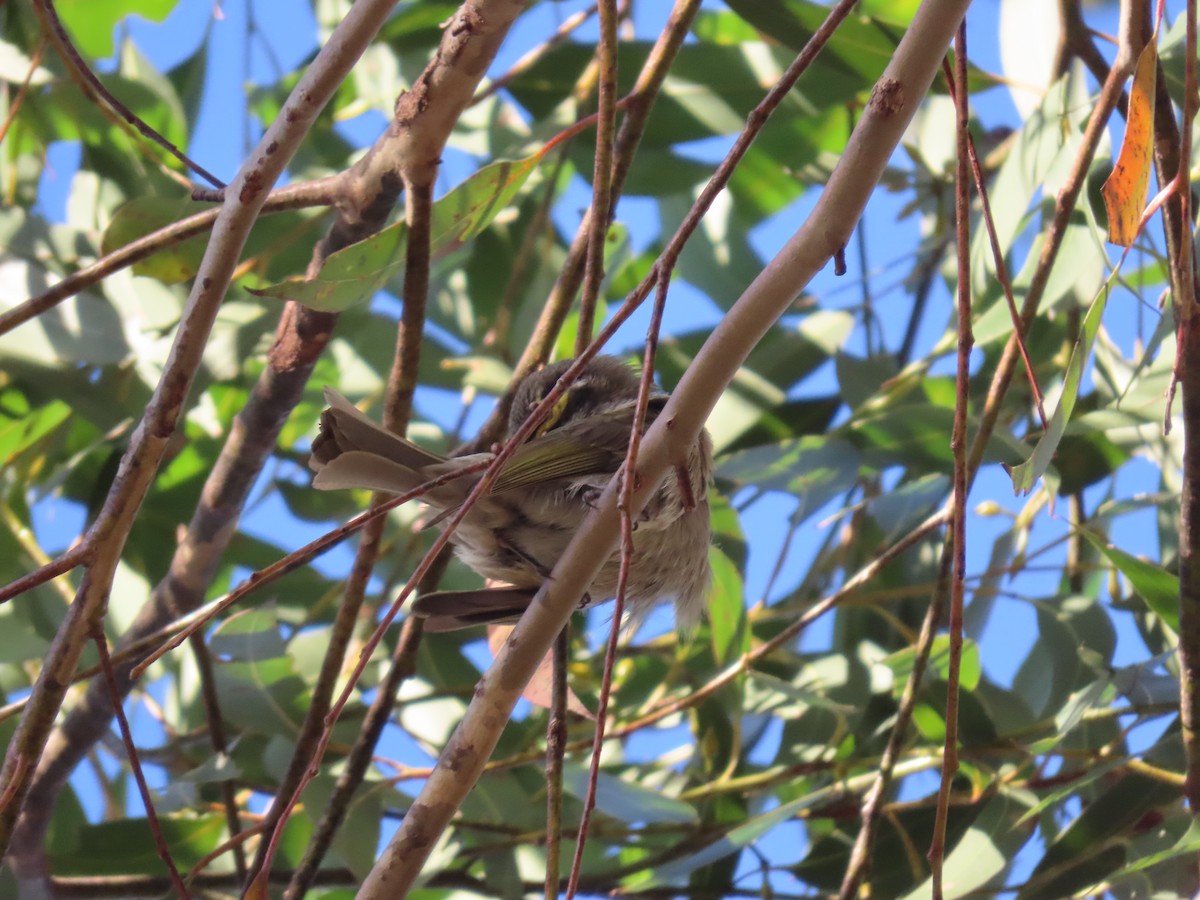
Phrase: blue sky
[291,38]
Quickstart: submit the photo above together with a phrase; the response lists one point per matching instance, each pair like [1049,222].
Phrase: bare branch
[135,765]
[293,196]
[76,556]
[958,444]
[601,212]
[892,105]
[140,463]
[93,87]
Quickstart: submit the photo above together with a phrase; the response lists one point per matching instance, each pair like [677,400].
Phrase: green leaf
[1045,148]
[727,610]
[625,801]
[736,839]
[1090,773]
[263,696]
[126,847]
[1089,848]
[970,669]
[22,427]
[1154,584]
[1051,670]
[1078,704]
[858,51]
[813,469]
[247,636]
[144,215]
[353,275]
[214,769]
[985,850]
[91,22]
[1188,843]
[1024,475]
[83,329]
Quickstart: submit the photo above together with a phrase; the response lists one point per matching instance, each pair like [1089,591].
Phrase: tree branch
[140,463]
[892,105]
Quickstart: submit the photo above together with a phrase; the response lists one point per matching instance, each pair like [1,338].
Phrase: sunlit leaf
[1024,475]
[91,22]
[1125,189]
[626,801]
[727,610]
[127,846]
[1158,587]
[352,275]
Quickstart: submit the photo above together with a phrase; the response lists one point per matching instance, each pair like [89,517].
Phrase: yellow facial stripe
[556,412]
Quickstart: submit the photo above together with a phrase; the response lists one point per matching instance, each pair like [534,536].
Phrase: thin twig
[1187,370]
[603,202]
[358,760]
[637,110]
[1064,207]
[18,99]
[628,484]
[235,843]
[556,740]
[302,557]
[518,280]
[321,192]
[958,445]
[599,217]
[76,556]
[1002,268]
[92,86]
[135,765]
[340,634]
[215,723]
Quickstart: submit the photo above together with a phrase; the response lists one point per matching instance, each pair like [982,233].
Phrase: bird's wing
[589,445]
[558,454]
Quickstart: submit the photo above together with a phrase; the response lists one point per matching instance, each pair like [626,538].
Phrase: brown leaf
[1125,189]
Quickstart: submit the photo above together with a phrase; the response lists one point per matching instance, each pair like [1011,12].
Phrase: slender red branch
[135,765]
[92,85]
[51,570]
[301,557]
[958,444]
[556,745]
[231,843]
[18,100]
[601,211]
[1002,274]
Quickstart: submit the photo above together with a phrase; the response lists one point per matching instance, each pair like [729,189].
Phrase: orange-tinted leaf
[1125,189]
[540,687]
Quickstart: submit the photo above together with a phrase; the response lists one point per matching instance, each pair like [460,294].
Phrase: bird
[517,530]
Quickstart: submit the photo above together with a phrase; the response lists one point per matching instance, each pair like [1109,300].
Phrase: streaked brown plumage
[518,530]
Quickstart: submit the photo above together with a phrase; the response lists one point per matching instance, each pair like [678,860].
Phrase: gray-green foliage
[849,446]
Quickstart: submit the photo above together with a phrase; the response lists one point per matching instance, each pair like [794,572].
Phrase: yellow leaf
[1125,189]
